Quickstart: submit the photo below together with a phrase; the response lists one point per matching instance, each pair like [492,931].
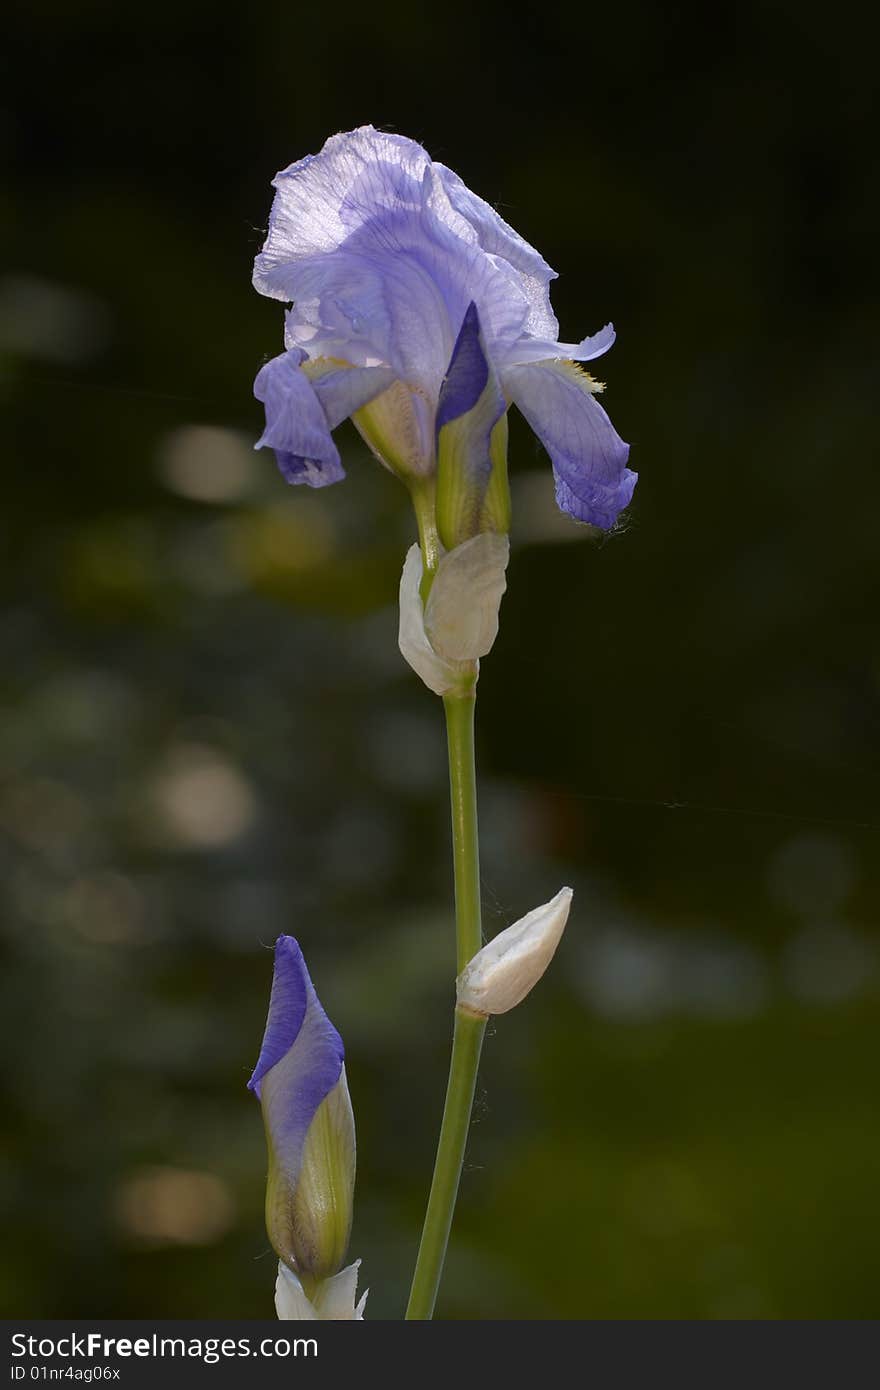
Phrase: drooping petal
[296,425]
[471,403]
[593,483]
[343,389]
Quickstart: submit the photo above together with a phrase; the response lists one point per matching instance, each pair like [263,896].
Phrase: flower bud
[397,427]
[508,967]
[472,489]
[300,1081]
[444,638]
[331,1300]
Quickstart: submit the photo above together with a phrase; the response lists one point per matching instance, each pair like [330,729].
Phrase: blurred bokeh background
[208,736]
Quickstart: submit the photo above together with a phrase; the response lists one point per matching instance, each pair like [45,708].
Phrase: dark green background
[208,736]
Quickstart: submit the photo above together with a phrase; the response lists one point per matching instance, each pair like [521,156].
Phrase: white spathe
[509,966]
[333,1300]
[444,639]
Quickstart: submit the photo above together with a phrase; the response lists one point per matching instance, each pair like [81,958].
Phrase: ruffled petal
[589,458]
[499,239]
[311,214]
[296,425]
[379,264]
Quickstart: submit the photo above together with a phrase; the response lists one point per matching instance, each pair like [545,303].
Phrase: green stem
[468,1036]
[422,493]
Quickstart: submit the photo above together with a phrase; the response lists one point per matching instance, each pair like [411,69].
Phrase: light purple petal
[307,217]
[380,266]
[589,458]
[302,1052]
[287,1007]
[527,350]
[589,348]
[345,390]
[296,425]
[498,238]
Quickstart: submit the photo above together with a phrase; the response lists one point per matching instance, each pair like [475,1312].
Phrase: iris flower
[415,307]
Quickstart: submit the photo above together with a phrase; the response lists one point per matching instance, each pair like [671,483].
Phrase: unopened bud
[300,1081]
[508,967]
[398,428]
[471,448]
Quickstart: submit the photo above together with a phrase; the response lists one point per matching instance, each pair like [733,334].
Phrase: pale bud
[509,966]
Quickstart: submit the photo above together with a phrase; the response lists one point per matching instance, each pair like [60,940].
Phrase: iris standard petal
[365,241]
[307,216]
[471,403]
[498,238]
[589,458]
[300,1061]
[296,425]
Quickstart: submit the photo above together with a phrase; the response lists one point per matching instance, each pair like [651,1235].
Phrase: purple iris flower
[300,1082]
[410,293]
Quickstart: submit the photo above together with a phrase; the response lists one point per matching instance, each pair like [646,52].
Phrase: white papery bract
[444,638]
[332,1299]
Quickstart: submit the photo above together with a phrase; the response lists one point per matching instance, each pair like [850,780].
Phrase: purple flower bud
[300,1081]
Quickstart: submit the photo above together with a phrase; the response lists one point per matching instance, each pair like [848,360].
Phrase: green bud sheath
[397,428]
[470,448]
[308,1214]
[495,515]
